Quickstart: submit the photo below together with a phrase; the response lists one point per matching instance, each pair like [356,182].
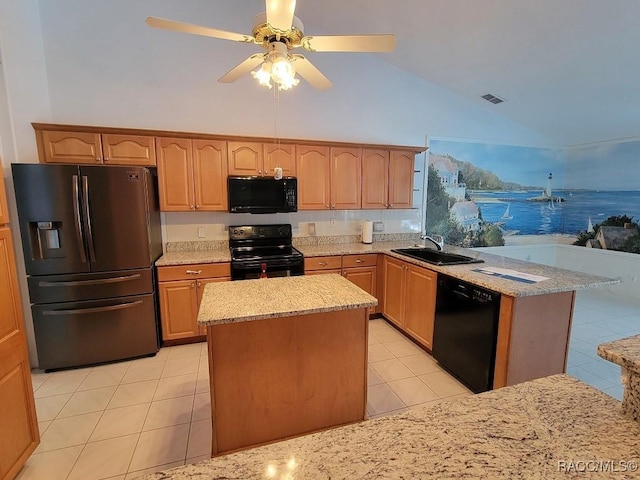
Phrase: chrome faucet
[438,241]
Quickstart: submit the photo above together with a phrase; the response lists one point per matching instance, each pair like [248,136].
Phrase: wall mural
[482,194]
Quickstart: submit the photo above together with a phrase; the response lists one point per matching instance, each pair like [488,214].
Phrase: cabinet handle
[328,205]
[191,207]
[106,159]
[98,159]
[333,206]
[259,172]
[197,207]
[194,272]
[359,261]
[323,264]
[193,284]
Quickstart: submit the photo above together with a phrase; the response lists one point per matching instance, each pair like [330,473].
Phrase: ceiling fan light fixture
[283,73]
[263,75]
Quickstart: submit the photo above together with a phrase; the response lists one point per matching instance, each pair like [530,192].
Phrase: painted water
[568,217]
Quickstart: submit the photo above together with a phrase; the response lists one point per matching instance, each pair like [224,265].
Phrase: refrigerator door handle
[76,216]
[80,283]
[87,216]
[82,311]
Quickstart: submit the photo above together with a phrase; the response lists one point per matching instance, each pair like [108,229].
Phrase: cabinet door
[393,290]
[401,166]
[375,179]
[283,156]
[245,158]
[314,173]
[363,277]
[200,285]
[210,175]
[175,174]
[420,305]
[128,150]
[346,178]
[18,422]
[178,309]
[71,147]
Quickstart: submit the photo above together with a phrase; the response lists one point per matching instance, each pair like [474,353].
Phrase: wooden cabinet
[314,177]
[18,422]
[387,179]
[192,174]
[320,265]
[420,304]
[362,270]
[358,269]
[328,178]
[95,148]
[401,165]
[346,178]
[279,155]
[409,298]
[180,291]
[260,159]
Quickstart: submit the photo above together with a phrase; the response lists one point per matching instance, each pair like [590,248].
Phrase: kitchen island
[554,427]
[287,356]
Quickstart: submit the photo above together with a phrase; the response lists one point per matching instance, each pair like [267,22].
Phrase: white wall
[23,98]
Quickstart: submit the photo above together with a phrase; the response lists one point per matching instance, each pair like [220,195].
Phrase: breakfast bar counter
[552,428]
[287,356]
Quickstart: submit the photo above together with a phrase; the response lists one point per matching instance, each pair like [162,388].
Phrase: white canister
[367,231]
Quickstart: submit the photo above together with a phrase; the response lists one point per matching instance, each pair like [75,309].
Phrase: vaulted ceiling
[569,69]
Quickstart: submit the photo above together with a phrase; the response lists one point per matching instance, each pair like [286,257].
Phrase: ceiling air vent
[492,98]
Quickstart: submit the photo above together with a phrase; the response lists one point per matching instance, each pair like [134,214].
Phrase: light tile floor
[123,420]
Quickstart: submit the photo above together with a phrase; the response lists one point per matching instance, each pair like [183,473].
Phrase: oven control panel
[255,232]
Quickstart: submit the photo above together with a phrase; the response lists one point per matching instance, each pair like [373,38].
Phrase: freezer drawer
[73,334]
[90,286]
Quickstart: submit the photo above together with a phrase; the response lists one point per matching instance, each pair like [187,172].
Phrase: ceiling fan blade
[350,43]
[242,69]
[310,73]
[280,13]
[197,30]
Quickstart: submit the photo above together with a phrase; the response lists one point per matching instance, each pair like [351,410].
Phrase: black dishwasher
[465,331]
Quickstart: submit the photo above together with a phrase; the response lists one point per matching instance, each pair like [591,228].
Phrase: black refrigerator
[90,237]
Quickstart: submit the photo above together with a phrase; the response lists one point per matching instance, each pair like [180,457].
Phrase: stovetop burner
[266,253]
[263,250]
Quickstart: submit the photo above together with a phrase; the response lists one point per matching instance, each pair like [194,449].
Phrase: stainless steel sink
[436,257]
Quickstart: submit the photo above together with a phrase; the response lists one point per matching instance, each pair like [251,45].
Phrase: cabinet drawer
[323,263]
[366,260]
[200,270]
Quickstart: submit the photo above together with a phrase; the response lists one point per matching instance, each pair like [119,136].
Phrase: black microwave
[262,194]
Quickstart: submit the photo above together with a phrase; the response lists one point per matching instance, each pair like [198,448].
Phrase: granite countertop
[624,352]
[559,280]
[231,302]
[544,429]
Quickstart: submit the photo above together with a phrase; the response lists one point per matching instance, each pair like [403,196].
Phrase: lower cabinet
[409,298]
[358,269]
[180,289]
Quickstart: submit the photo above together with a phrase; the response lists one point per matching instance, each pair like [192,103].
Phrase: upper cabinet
[387,178]
[314,176]
[192,174]
[279,155]
[57,146]
[328,178]
[260,159]
[346,178]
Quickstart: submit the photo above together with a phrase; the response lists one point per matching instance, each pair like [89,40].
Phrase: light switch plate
[201,232]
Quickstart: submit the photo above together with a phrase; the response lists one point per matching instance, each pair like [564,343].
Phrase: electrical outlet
[378,226]
[201,232]
[312,228]
[332,223]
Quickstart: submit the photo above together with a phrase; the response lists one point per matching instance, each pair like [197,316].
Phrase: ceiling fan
[278,30]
